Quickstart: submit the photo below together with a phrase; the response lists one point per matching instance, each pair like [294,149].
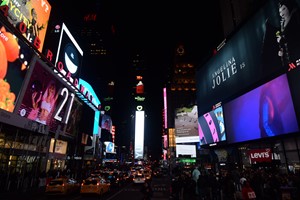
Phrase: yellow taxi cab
[62,186]
[95,185]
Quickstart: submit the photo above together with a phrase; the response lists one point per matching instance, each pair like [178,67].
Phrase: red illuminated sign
[260,155]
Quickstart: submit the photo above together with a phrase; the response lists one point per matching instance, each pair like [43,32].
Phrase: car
[139,178]
[62,186]
[95,185]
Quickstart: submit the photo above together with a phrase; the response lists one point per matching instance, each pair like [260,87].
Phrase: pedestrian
[195,176]
[247,191]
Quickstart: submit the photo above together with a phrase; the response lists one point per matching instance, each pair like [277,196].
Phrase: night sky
[152,28]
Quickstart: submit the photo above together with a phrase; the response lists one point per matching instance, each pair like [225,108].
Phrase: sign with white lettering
[240,63]
[260,155]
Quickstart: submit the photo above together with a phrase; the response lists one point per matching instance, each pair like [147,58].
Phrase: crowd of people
[258,184]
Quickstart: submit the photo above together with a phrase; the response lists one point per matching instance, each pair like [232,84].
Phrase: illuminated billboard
[186,125]
[46,99]
[212,127]
[106,122]
[15,57]
[265,111]
[91,99]
[69,55]
[249,56]
[139,134]
[165,117]
[185,150]
[109,147]
[30,18]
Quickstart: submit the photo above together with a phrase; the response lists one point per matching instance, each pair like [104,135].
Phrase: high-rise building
[138,73]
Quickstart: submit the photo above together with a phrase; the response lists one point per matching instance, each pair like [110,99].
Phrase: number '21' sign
[66,103]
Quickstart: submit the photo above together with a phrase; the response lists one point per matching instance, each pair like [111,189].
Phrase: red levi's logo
[260,155]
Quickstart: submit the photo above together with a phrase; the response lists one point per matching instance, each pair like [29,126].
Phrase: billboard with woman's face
[46,99]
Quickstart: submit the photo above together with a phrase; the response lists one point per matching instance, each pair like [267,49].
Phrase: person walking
[247,191]
[195,176]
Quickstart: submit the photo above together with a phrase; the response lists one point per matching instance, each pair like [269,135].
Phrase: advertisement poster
[250,56]
[212,127]
[34,14]
[186,124]
[46,100]
[15,57]
[263,112]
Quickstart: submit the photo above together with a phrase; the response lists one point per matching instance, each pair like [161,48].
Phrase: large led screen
[106,122]
[185,150]
[266,111]
[35,16]
[294,83]
[15,57]
[109,147]
[46,100]
[266,46]
[69,54]
[186,125]
[211,127]
[139,134]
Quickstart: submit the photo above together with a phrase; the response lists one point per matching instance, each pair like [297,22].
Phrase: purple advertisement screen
[266,111]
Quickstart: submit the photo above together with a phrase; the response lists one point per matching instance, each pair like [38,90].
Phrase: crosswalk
[159,188]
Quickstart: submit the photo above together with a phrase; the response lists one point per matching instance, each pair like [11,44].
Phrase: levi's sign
[260,155]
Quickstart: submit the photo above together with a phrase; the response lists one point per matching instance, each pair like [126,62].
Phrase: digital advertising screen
[212,127]
[35,16]
[46,99]
[15,57]
[106,122]
[294,83]
[185,150]
[253,54]
[109,147]
[139,134]
[186,124]
[69,54]
[265,111]
[165,141]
